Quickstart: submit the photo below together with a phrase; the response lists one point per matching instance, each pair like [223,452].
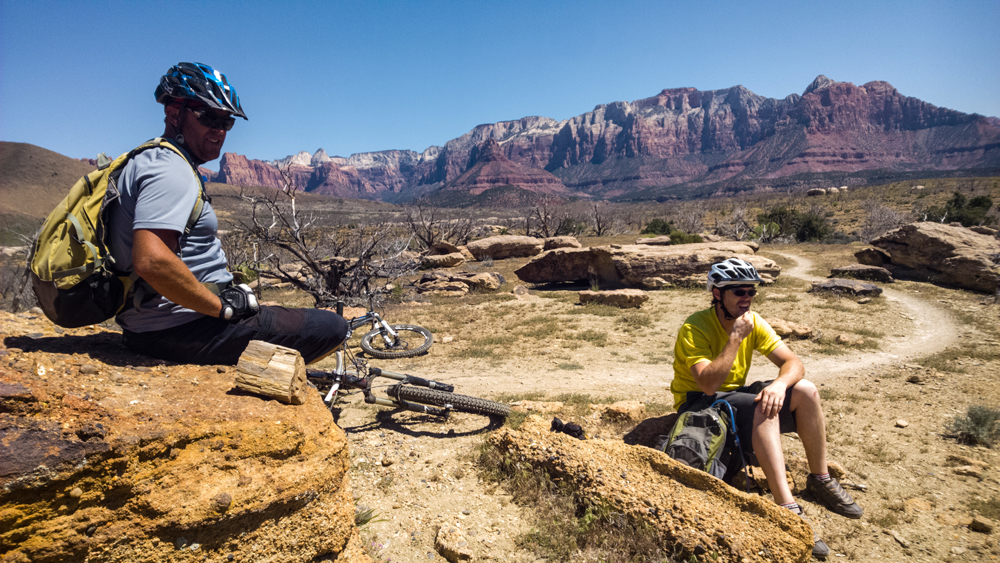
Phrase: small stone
[36,311]
[958,550]
[76,493]
[982,524]
[447,339]
[220,369]
[864,300]
[387,461]
[466,512]
[221,502]
[88,369]
[179,543]
[899,539]
[195,546]
[969,471]
[90,531]
[902,423]
[918,379]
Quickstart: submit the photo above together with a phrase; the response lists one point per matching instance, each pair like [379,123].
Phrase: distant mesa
[680,143]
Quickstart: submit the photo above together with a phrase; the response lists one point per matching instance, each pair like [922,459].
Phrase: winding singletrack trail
[930,330]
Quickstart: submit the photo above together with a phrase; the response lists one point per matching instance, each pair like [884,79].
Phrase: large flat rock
[102,461]
[690,510]
[641,266]
[950,255]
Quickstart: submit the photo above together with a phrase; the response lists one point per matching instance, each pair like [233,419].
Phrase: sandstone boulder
[863,272]
[145,463]
[662,240]
[988,231]
[637,265]
[553,243]
[845,286]
[872,257]
[646,485]
[621,298]
[443,247]
[788,329]
[816,191]
[505,246]
[953,256]
[458,283]
[622,411]
[431,262]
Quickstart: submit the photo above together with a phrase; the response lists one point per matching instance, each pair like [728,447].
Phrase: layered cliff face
[681,135]
[492,169]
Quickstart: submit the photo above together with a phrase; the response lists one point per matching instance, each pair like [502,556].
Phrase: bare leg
[767,446]
[810,424]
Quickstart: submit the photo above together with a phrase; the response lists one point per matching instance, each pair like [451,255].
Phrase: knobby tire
[415,334]
[460,403]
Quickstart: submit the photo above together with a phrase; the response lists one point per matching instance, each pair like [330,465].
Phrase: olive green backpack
[71,270]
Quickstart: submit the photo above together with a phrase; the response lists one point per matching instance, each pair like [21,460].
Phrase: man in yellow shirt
[711,360]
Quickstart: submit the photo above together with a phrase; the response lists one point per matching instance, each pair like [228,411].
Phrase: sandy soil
[417,473]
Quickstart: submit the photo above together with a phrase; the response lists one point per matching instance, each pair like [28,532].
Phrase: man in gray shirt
[194,313]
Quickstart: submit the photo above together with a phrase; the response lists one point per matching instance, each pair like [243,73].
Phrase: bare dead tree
[354,263]
[736,224]
[690,217]
[430,226]
[879,220]
[603,218]
[541,221]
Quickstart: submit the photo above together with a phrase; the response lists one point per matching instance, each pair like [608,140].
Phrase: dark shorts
[742,401]
[313,332]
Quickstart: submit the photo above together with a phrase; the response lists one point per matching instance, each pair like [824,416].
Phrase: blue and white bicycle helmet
[196,81]
[733,271]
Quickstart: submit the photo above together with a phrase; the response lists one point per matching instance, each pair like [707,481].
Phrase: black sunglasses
[741,292]
[213,121]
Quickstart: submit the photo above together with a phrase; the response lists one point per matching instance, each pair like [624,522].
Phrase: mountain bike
[386,341]
[409,392]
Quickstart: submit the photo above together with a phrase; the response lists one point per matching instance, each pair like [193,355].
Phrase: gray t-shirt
[159,191]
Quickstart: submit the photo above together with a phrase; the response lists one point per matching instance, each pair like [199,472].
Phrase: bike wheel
[412,341]
[460,403]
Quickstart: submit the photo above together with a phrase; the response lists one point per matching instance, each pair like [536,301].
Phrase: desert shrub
[980,425]
[657,227]
[967,212]
[804,226]
[680,237]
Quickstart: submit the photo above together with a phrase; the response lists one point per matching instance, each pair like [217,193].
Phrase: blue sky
[78,77]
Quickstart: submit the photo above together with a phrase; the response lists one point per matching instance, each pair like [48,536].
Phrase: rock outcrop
[621,298]
[690,510]
[458,283]
[641,266]
[862,272]
[505,246]
[553,243]
[944,254]
[106,456]
[846,287]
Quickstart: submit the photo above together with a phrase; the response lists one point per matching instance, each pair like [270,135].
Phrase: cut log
[273,371]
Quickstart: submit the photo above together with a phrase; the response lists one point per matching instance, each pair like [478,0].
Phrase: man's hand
[771,398]
[742,326]
[238,302]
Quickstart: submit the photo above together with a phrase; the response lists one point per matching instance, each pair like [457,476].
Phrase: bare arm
[156,263]
[711,375]
[790,372]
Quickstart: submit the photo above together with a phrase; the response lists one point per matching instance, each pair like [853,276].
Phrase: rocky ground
[925,354]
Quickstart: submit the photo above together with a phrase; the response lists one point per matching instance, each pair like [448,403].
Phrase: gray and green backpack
[698,439]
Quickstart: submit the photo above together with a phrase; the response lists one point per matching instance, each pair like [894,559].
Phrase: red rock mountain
[678,142]
[492,169]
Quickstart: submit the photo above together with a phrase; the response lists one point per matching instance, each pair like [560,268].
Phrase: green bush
[804,226]
[967,212]
[680,237]
[657,227]
[980,425]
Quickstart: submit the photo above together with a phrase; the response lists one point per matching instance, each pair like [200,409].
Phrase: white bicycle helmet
[733,271]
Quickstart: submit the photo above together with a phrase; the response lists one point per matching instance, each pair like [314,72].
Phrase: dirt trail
[932,330]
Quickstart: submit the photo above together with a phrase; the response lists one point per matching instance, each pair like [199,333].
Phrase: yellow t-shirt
[702,338]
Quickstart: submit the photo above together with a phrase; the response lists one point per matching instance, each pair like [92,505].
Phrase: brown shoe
[820,549]
[833,496]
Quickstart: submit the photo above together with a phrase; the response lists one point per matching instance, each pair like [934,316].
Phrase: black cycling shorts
[742,401]
[211,341]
